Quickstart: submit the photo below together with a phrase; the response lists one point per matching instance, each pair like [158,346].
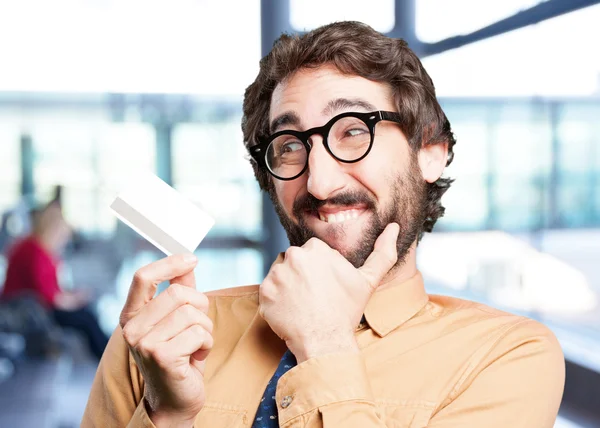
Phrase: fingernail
[190,258]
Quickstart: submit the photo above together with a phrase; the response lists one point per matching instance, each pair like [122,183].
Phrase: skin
[170,335]
[307,94]
[297,295]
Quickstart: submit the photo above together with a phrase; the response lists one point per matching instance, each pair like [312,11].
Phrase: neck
[401,272]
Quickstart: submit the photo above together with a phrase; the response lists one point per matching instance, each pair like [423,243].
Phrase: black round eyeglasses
[348,137]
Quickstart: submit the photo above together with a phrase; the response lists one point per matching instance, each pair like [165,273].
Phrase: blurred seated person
[32,269]
[14,224]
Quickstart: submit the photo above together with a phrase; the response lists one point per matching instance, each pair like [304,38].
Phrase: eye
[290,147]
[354,132]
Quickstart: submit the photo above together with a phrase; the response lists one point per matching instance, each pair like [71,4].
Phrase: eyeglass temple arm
[389,115]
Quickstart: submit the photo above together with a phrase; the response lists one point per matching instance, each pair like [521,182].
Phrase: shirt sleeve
[334,388]
[116,397]
[519,384]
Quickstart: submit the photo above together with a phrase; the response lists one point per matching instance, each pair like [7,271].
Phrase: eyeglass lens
[349,139]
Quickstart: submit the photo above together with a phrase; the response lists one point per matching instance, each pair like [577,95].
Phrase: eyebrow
[333,106]
[338,104]
[287,118]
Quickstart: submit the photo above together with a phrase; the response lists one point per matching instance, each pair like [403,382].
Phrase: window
[104,46]
[553,58]
[91,161]
[439,19]
[10,165]
[578,178]
[306,15]
[212,170]
[468,197]
[524,110]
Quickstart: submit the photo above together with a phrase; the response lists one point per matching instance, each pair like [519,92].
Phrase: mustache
[311,204]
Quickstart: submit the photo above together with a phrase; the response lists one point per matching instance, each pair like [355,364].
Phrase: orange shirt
[425,361]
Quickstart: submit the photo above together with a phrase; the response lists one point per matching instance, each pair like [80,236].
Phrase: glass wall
[91,161]
[130,46]
[523,165]
[10,164]
[521,230]
[212,169]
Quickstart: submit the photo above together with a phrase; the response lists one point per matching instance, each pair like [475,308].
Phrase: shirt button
[286,401]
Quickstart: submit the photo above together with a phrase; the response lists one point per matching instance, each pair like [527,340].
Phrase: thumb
[188,279]
[383,257]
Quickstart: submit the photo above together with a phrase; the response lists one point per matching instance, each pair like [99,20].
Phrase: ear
[432,161]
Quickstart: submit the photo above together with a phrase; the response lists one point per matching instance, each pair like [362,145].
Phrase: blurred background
[93,91]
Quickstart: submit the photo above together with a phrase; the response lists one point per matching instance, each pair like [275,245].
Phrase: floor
[49,393]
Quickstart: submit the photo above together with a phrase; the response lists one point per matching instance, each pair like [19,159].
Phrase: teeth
[340,217]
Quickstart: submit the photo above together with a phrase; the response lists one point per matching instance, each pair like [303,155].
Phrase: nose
[325,174]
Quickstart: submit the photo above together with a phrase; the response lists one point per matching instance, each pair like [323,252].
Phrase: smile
[339,216]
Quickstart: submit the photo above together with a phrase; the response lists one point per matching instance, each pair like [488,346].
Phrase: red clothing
[31,268]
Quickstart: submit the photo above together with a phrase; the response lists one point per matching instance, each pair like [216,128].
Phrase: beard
[407,208]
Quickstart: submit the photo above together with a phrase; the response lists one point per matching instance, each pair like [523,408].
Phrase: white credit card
[162,215]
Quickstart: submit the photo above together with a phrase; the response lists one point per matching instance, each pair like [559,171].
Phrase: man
[348,139]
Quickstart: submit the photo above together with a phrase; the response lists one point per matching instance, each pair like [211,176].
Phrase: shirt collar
[392,306]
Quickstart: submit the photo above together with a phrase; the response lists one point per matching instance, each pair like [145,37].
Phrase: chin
[346,251]
[345,240]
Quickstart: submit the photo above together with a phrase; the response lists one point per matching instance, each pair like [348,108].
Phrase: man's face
[346,205]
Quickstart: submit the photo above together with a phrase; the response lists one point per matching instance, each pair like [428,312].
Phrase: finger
[147,278]
[314,242]
[383,257]
[158,308]
[177,321]
[191,340]
[187,279]
[199,359]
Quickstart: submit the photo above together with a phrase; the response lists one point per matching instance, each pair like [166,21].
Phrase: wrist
[317,348]
[166,419]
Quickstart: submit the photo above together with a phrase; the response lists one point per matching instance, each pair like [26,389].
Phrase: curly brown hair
[355,49]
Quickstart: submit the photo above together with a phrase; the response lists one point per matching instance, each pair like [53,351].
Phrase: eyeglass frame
[258,151]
